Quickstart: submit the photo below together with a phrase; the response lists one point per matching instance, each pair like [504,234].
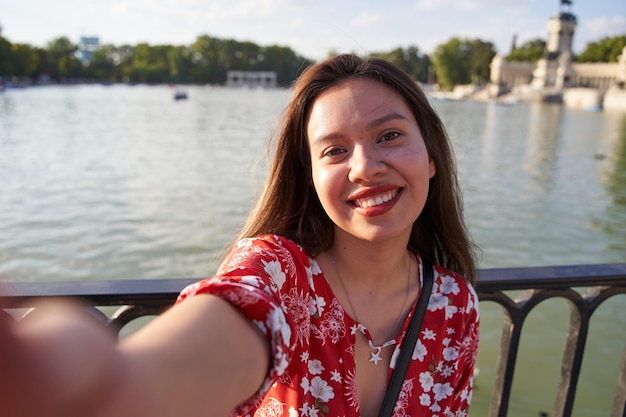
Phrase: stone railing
[585,287]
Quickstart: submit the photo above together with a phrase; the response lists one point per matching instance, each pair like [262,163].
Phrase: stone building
[555,77]
[251,79]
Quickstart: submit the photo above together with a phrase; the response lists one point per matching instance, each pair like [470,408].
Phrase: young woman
[308,311]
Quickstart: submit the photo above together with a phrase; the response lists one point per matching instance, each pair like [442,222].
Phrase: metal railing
[585,287]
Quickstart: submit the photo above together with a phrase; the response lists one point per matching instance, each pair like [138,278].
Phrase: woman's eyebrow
[372,124]
[384,119]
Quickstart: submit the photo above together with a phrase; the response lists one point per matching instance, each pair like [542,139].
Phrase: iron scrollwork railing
[140,298]
[599,283]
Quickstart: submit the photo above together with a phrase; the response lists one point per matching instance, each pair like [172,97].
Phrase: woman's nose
[365,164]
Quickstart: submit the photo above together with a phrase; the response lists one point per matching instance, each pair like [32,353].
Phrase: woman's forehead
[357,101]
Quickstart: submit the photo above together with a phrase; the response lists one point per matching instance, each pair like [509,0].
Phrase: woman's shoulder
[269,244]
[263,250]
[270,241]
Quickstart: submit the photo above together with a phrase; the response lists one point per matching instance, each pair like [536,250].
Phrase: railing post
[572,360]
[505,369]
[619,404]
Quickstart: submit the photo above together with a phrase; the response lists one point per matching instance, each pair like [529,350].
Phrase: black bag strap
[402,365]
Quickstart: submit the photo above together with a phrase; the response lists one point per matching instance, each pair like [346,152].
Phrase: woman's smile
[376,200]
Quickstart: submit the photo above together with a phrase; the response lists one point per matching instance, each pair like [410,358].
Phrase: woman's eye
[333,152]
[389,136]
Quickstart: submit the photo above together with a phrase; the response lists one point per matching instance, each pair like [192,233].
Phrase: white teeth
[376,201]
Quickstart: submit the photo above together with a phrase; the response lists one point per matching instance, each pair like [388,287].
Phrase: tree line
[207,60]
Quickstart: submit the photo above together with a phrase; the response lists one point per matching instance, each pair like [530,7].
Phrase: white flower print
[425,400]
[276,322]
[275,271]
[304,384]
[316,305]
[280,361]
[450,353]
[260,325]
[297,307]
[464,394]
[448,285]
[351,392]
[272,408]
[437,302]
[304,410]
[426,381]
[293,412]
[315,268]
[419,352]
[335,376]
[428,334]
[315,367]
[246,297]
[447,371]
[442,391]
[321,390]
[309,277]
[472,297]
[332,326]
[404,396]
[451,311]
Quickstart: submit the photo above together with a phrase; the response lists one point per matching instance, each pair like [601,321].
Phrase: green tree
[410,59]
[25,60]
[480,56]
[6,57]
[204,59]
[531,51]
[287,64]
[462,62]
[605,50]
[180,64]
[102,65]
[149,64]
[63,60]
[451,63]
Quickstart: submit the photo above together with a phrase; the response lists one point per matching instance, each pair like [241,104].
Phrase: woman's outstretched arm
[201,357]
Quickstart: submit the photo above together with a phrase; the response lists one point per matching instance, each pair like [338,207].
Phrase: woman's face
[370,166]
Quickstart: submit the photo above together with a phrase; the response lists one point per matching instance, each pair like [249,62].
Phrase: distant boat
[180,95]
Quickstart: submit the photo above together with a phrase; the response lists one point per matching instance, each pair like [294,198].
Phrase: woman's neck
[362,264]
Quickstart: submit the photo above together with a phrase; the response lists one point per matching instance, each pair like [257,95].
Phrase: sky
[311,28]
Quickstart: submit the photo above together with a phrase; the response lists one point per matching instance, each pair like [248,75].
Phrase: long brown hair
[289,205]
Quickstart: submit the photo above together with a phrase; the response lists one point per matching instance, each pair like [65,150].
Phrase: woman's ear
[431,167]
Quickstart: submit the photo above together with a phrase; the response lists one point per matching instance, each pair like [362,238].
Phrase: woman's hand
[58,360]
[201,357]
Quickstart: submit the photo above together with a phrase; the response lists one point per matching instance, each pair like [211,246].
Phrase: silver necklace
[376,349]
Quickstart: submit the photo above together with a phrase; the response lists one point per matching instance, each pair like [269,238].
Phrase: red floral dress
[284,292]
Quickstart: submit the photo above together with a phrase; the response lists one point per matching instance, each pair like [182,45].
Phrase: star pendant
[375,357]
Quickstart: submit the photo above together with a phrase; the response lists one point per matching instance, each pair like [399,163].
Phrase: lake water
[123,182]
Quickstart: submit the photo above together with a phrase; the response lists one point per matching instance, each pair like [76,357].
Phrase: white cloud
[466,5]
[451,4]
[367,18]
[603,27]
